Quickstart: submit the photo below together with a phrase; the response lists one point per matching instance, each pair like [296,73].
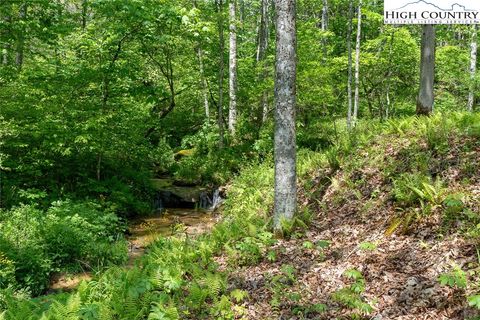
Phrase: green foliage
[351,296]
[474,301]
[279,284]
[456,278]
[161,312]
[413,189]
[367,246]
[68,236]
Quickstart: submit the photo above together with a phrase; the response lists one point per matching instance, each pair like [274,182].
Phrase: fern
[197,296]
[162,312]
[68,311]
[215,285]
[130,310]
[239,295]
[105,313]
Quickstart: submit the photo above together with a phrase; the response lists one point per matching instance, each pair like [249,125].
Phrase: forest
[237,159]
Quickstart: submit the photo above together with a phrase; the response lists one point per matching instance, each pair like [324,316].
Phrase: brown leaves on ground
[401,270]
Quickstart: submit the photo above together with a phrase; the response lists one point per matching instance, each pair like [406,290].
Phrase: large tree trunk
[21,37]
[473,68]
[285,96]
[349,50]
[220,72]
[357,64]
[425,97]
[262,54]
[232,111]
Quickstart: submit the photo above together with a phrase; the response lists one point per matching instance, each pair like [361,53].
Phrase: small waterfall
[158,203]
[205,199]
[210,201]
[217,200]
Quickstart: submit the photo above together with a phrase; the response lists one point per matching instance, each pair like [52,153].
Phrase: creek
[177,209]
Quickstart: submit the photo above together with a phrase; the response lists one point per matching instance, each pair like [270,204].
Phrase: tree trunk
[21,37]
[425,97]
[389,76]
[262,54]
[220,72]
[473,68]
[324,29]
[232,111]
[205,89]
[285,96]
[242,10]
[204,82]
[84,13]
[349,49]
[6,34]
[357,64]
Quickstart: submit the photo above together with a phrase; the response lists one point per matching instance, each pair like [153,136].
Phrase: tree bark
[205,90]
[6,34]
[425,97]
[357,64]
[84,13]
[204,82]
[473,68]
[285,100]
[349,49]
[221,40]
[388,77]
[232,110]
[262,54]
[19,55]
[324,29]
[242,10]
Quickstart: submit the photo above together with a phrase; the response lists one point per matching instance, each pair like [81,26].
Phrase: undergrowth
[180,277]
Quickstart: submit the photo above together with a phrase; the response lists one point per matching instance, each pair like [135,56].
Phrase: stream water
[144,231]
[177,209]
[173,220]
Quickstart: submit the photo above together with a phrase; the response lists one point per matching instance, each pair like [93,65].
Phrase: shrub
[35,243]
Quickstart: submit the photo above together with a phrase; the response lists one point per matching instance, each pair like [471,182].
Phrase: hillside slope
[394,212]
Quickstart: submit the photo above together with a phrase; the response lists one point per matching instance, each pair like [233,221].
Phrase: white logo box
[432,11]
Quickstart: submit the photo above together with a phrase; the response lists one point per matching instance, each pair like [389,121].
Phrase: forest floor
[401,273]
[358,226]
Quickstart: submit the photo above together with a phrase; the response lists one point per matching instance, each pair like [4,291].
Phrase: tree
[203,79]
[6,33]
[221,41]
[285,96]
[21,37]
[324,27]
[425,97]
[473,68]
[232,111]
[204,82]
[349,52]
[84,13]
[357,64]
[262,54]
